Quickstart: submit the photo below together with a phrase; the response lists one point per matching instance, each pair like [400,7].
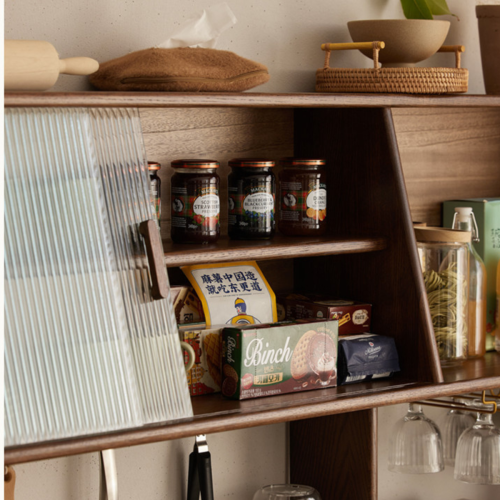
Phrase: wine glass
[287,492]
[455,422]
[478,451]
[415,445]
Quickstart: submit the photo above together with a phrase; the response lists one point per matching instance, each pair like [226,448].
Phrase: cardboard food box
[354,317]
[276,359]
[487,214]
[366,357]
[205,377]
[187,306]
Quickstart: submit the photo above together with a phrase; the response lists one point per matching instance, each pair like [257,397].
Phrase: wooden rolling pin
[35,65]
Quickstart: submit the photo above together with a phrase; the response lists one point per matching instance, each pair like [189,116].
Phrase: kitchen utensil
[200,471]
[35,65]
[108,481]
[287,492]
[9,483]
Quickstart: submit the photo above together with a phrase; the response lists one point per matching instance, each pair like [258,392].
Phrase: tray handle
[458,49]
[376,46]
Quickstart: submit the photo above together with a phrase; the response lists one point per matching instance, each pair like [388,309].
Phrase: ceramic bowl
[407,41]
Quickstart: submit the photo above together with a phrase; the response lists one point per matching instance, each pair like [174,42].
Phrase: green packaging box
[487,214]
[281,358]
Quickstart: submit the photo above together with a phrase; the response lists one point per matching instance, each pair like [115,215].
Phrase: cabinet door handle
[156,259]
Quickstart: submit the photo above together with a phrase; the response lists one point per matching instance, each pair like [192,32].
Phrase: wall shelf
[355,133]
[247,99]
[216,414]
[280,247]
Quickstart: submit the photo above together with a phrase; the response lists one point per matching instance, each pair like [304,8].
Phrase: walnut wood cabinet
[368,254]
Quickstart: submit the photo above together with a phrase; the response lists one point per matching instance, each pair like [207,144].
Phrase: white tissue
[202,30]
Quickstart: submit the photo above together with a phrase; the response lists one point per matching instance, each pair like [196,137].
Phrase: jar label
[195,213]
[259,202]
[316,199]
[207,205]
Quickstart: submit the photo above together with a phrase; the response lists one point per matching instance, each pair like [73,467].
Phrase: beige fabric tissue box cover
[181,70]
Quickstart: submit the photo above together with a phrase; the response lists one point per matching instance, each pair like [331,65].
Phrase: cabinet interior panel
[336,454]
[448,154]
[367,196]
[213,133]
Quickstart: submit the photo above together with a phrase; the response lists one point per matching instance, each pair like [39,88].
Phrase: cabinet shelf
[280,247]
[214,414]
[242,100]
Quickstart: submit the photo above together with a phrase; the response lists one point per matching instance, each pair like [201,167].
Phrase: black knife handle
[193,492]
[205,476]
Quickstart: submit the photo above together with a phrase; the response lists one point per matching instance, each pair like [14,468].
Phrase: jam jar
[195,201]
[302,197]
[155,190]
[251,198]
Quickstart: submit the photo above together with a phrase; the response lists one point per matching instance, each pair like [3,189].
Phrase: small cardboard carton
[275,359]
[205,377]
[354,317]
[487,214]
[187,305]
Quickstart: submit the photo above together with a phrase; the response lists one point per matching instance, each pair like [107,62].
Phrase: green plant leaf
[416,9]
[439,8]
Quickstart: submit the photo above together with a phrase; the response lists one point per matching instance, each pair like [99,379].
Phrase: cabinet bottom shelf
[214,414]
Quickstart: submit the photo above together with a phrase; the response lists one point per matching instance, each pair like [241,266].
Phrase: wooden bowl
[407,41]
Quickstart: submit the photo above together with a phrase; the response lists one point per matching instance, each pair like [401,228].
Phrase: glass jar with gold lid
[195,201]
[444,257]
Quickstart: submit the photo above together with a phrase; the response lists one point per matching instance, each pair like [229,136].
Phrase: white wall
[285,35]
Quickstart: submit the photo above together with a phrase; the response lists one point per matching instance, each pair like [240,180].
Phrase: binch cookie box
[277,359]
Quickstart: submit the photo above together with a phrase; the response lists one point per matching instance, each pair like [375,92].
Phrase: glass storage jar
[444,257]
[251,194]
[302,197]
[155,190]
[195,201]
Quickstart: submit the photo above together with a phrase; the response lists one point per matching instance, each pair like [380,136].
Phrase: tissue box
[277,359]
[487,214]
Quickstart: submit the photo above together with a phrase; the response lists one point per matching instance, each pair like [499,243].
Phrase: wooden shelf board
[280,247]
[247,99]
[215,414]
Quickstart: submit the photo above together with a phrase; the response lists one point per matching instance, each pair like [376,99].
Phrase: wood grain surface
[243,100]
[219,134]
[445,153]
[336,454]
[216,414]
[367,195]
[280,247]
[448,154]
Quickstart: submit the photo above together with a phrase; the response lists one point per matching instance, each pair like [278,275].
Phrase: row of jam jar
[195,202]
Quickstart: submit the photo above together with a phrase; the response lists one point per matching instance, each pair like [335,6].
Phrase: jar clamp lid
[441,234]
[153,165]
[251,163]
[302,162]
[195,164]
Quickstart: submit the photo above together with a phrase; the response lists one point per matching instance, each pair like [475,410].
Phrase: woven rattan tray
[390,80]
